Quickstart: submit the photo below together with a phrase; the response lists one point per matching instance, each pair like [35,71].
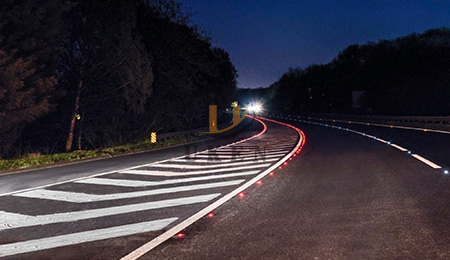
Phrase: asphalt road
[25,179]
[345,196]
[114,206]
[432,145]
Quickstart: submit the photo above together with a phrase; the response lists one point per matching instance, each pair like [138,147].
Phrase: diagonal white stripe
[12,220]
[137,183]
[244,154]
[83,197]
[193,159]
[82,237]
[237,157]
[182,225]
[216,165]
[250,151]
[169,173]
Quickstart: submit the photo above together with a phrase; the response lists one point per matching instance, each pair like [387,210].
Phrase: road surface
[108,214]
[346,196]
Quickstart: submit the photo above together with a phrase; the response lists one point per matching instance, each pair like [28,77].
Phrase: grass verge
[41,160]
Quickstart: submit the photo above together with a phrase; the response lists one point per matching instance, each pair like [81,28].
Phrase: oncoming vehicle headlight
[255,108]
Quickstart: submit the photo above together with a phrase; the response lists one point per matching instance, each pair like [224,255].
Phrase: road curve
[108,215]
[345,196]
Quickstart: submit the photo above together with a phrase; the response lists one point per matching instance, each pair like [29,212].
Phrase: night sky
[265,38]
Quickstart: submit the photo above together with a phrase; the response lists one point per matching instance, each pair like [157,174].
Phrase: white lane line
[390,126]
[217,165]
[84,197]
[399,147]
[13,220]
[418,157]
[136,183]
[381,140]
[83,237]
[427,162]
[182,225]
[169,173]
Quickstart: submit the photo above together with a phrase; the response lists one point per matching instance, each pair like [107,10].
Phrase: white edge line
[182,225]
[418,157]
[399,147]
[130,168]
[389,126]
[428,162]
[381,140]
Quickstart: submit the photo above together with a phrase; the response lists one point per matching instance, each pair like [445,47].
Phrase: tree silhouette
[30,37]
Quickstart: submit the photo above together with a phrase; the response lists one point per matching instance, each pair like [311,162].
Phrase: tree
[126,67]
[405,76]
[30,37]
[107,69]
[189,73]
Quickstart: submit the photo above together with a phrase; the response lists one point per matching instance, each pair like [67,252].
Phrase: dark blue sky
[265,38]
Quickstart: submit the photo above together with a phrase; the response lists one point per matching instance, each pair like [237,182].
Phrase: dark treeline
[93,73]
[405,76]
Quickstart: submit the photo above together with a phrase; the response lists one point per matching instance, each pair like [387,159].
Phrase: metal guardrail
[437,122]
[403,119]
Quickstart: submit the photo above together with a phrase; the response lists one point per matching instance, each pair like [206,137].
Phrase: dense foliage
[89,74]
[406,76]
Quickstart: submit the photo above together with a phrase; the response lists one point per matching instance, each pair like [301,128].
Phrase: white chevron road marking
[82,237]
[216,165]
[13,220]
[236,156]
[83,197]
[169,173]
[137,183]
[203,159]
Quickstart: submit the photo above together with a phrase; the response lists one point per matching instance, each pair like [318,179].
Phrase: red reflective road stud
[180,235]
[210,215]
[271,173]
[259,182]
[241,195]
